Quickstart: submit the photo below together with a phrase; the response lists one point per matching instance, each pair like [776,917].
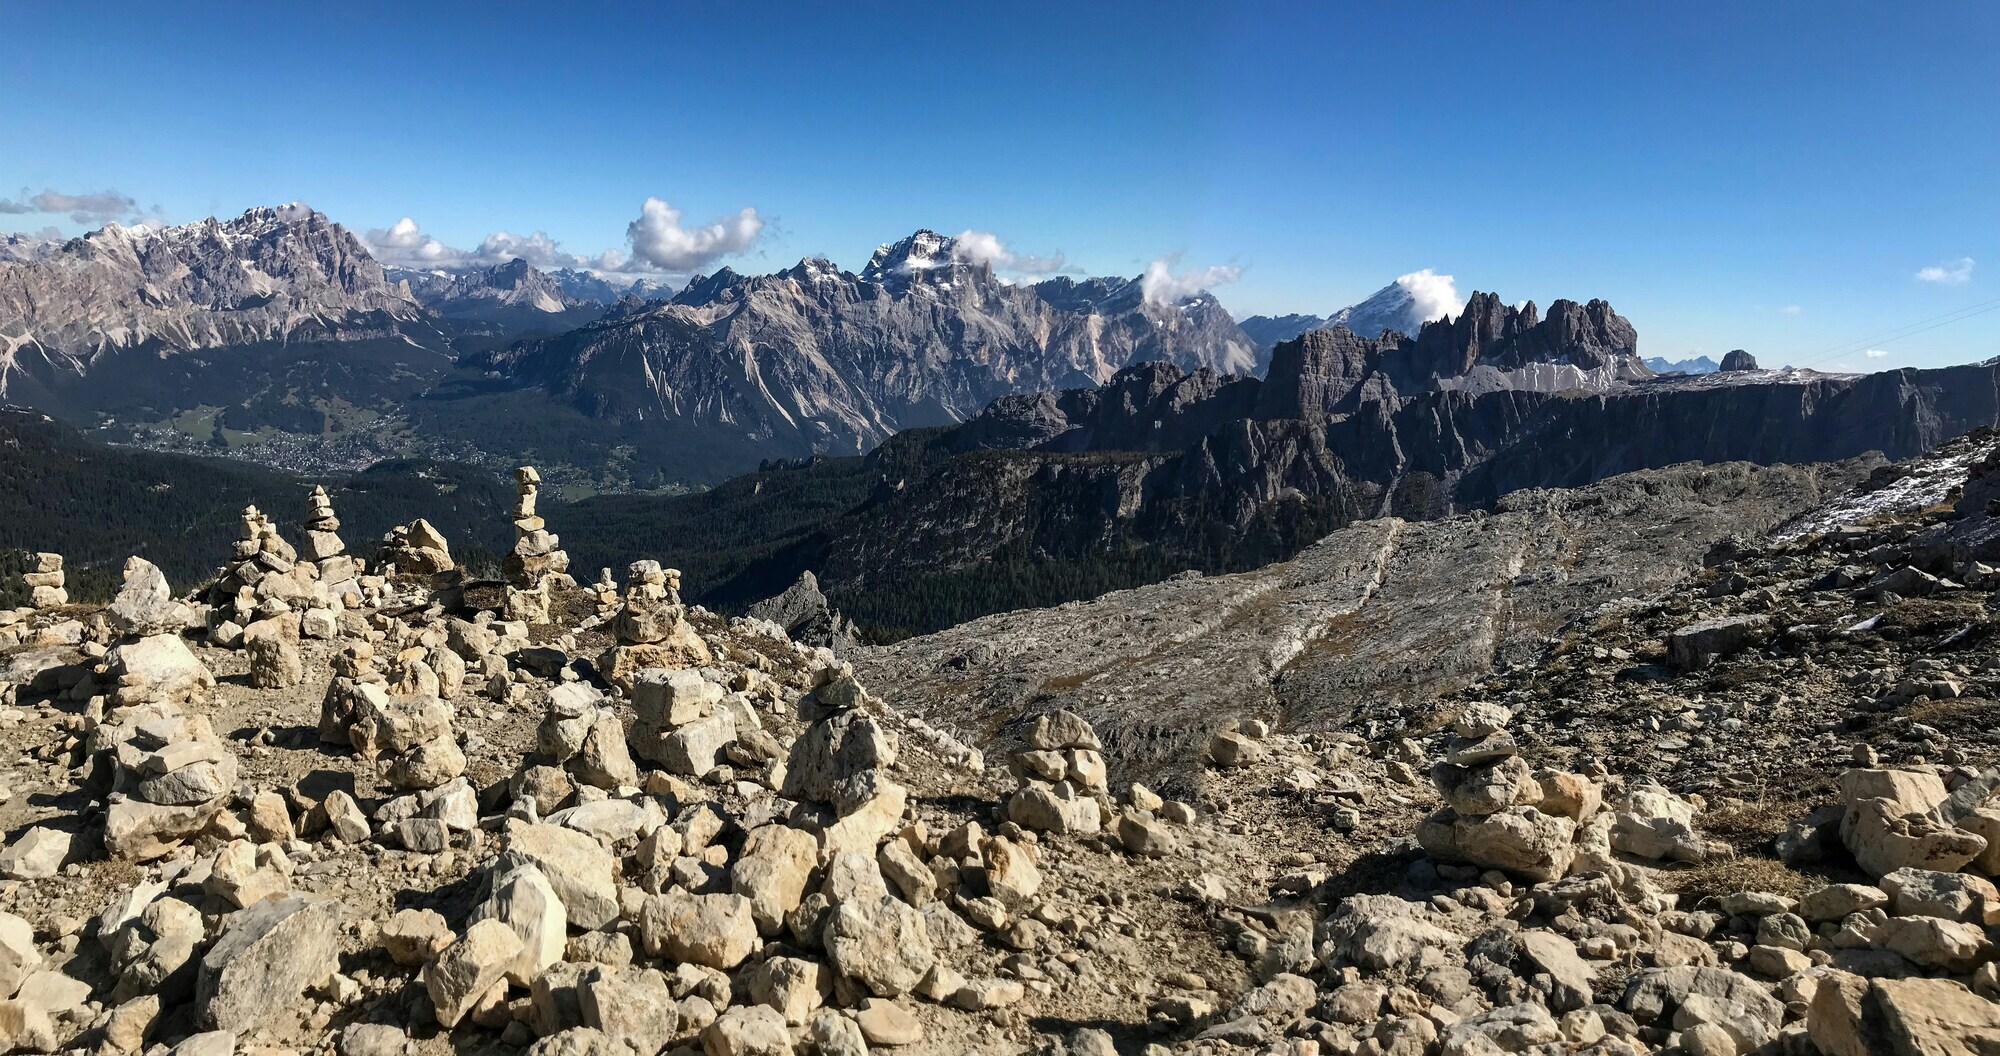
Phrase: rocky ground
[1386,613]
[381,810]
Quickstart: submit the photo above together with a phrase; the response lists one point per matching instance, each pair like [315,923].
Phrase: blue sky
[1727,175]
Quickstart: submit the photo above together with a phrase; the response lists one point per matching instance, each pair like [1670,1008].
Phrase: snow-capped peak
[895,262]
[1404,305]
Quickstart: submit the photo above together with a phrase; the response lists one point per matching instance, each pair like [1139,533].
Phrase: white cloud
[1791,309]
[1950,273]
[1432,296]
[1876,353]
[658,238]
[94,207]
[403,242]
[658,243]
[1162,285]
[537,249]
[985,247]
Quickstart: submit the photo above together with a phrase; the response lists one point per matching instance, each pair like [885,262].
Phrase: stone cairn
[45,583]
[267,597]
[842,760]
[339,573]
[415,549]
[605,593]
[151,662]
[1062,773]
[679,723]
[258,554]
[1542,825]
[581,734]
[164,774]
[537,563]
[402,719]
[651,627]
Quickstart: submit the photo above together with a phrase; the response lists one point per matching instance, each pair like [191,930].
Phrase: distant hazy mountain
[1697,365]
[271,274]
[816,359]
[19,249]
[1269,330]
[586,286]
[277,318]
[516,283]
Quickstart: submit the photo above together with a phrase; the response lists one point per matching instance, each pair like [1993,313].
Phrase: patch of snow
[1925,482]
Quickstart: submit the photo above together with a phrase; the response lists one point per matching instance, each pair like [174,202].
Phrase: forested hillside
[98,505]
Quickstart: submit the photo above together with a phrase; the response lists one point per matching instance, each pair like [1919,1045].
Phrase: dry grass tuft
[1738,874]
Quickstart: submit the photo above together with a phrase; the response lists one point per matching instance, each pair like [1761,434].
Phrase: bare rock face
[807,616]
[1440,601]
[865,354]
[1739,360]
[269,274]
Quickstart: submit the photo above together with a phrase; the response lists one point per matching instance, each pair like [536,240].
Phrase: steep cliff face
[1162,469]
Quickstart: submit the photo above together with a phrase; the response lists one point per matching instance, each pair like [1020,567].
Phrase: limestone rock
[717,931]
[468,968]
[580,870]
[38,855]
[880,942]
[269,955]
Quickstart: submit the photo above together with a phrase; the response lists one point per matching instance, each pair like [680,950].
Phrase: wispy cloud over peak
[985,247]
[1161,284]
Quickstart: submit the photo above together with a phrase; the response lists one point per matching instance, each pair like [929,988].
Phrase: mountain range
[815,359]
[931,440]
[279,325]
[916,425]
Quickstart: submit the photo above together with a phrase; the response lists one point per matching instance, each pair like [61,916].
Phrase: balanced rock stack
[605,593]
[165,776]
[1062,774]
[322,527]
[842,760]
[151,662]
[679,723]
[537,562]
[45,583]
[415,549]
[265,581]
[581,734]
[651,627]
[1493,815]
[1544,824]
[259,554]
[403,718]
[323,547]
